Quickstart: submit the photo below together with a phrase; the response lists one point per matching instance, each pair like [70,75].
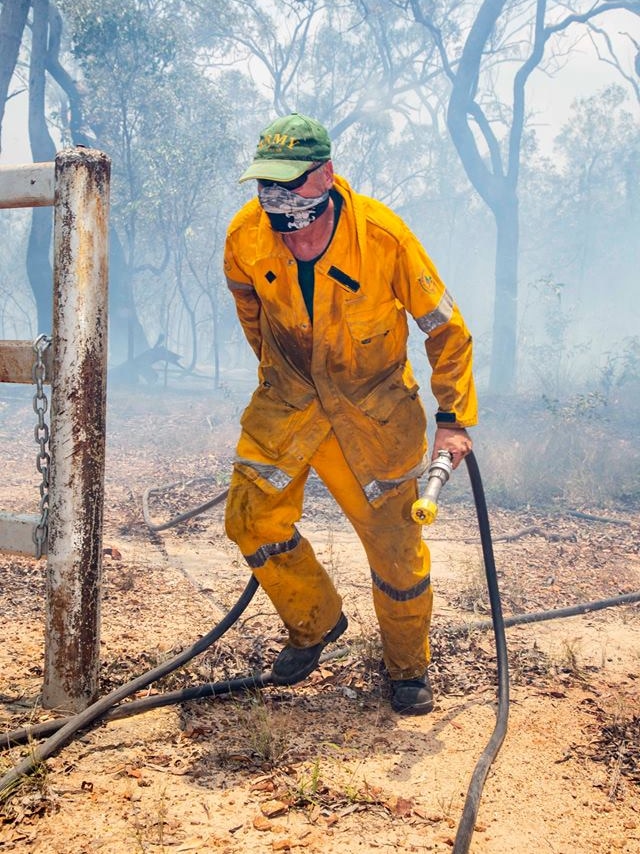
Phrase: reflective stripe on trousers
[262,519]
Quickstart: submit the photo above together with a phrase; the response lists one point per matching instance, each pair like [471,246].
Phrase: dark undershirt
[306,272]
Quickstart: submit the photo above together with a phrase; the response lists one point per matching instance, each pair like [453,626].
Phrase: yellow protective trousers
[262,521]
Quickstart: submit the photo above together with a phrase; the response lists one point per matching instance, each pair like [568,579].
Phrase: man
[323,279]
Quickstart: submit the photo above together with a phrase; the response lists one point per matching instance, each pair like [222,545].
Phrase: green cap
[287,147]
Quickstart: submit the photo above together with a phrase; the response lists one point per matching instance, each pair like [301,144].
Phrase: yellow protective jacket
[348,371]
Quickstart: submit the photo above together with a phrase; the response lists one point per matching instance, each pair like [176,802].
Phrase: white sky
[551,98]
[15,148]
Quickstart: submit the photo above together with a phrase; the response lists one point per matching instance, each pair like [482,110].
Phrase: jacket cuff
[448,419]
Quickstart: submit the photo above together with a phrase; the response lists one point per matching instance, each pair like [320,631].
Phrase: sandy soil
[324,766]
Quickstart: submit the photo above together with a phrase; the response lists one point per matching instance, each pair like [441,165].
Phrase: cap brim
[275,170]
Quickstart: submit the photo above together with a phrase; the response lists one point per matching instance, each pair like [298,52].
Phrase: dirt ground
[325,766]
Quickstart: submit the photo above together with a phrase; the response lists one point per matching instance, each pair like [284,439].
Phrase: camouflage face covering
[288,211]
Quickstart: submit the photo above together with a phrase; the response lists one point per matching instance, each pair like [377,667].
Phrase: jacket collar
[269,244]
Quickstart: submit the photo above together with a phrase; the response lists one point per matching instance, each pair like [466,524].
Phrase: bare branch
[462,104]
[598,9]
[436,34]
[613,59]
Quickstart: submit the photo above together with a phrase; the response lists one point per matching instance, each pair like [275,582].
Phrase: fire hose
[424,511]
[61,731]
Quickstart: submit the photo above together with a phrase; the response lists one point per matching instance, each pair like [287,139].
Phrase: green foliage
[168,129]
[629,372]
[599,138]
[585,212]
[118,37]
[578,407]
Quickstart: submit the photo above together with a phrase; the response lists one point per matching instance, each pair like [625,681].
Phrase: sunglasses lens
[297,182]
[291,185]
[288,185]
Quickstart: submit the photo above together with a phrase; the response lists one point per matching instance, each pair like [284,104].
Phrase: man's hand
[456,440]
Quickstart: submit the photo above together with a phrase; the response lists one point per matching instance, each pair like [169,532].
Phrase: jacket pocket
[395,424]
[382,401]
[293,392]
[378,338]
[271,421]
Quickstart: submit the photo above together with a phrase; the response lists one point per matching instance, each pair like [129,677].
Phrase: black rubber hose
[553,614]
[145,704]
[183,517]
[156,701]
[99,708]
[474,792]
[246,683]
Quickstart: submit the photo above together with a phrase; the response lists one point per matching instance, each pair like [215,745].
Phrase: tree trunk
[13,18]
[497,189]
[126,335]
[216,336]
[42,149]
[505,309]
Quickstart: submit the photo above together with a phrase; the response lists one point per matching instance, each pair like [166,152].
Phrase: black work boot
[294,664]
[412,696]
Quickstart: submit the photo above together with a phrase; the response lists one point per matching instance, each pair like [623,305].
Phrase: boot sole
[414,709]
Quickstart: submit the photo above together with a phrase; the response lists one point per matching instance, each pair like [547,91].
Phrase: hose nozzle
[425,509]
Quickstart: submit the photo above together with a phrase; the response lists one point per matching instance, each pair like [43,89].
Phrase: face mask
[288,211]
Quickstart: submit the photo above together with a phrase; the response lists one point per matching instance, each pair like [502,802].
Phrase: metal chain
[40,405]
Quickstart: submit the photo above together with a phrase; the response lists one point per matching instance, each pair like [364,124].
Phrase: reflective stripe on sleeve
[262,555]
[239,286]
[441,314]
[400,595]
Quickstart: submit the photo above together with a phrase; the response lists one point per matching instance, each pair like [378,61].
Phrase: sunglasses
[291,185]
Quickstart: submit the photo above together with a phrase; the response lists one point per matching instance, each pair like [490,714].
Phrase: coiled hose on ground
[61,731]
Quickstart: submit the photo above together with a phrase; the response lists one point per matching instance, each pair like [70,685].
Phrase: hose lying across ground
[246,683]
[70,726]
[61,731]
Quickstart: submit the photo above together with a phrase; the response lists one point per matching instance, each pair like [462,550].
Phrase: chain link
[41,432]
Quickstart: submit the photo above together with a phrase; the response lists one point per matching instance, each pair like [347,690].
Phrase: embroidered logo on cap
[277,142]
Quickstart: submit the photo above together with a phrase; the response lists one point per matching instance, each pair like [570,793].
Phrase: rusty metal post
[29,186]
[78,410]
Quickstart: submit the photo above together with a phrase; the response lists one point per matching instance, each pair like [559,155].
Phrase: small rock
[261,822]
[271,808]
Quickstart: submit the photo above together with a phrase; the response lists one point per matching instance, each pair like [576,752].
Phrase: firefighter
[324,280]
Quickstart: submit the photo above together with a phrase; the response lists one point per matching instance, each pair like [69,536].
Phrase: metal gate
[77,185]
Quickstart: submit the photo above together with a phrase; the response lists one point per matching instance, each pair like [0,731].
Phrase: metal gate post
[78,417]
